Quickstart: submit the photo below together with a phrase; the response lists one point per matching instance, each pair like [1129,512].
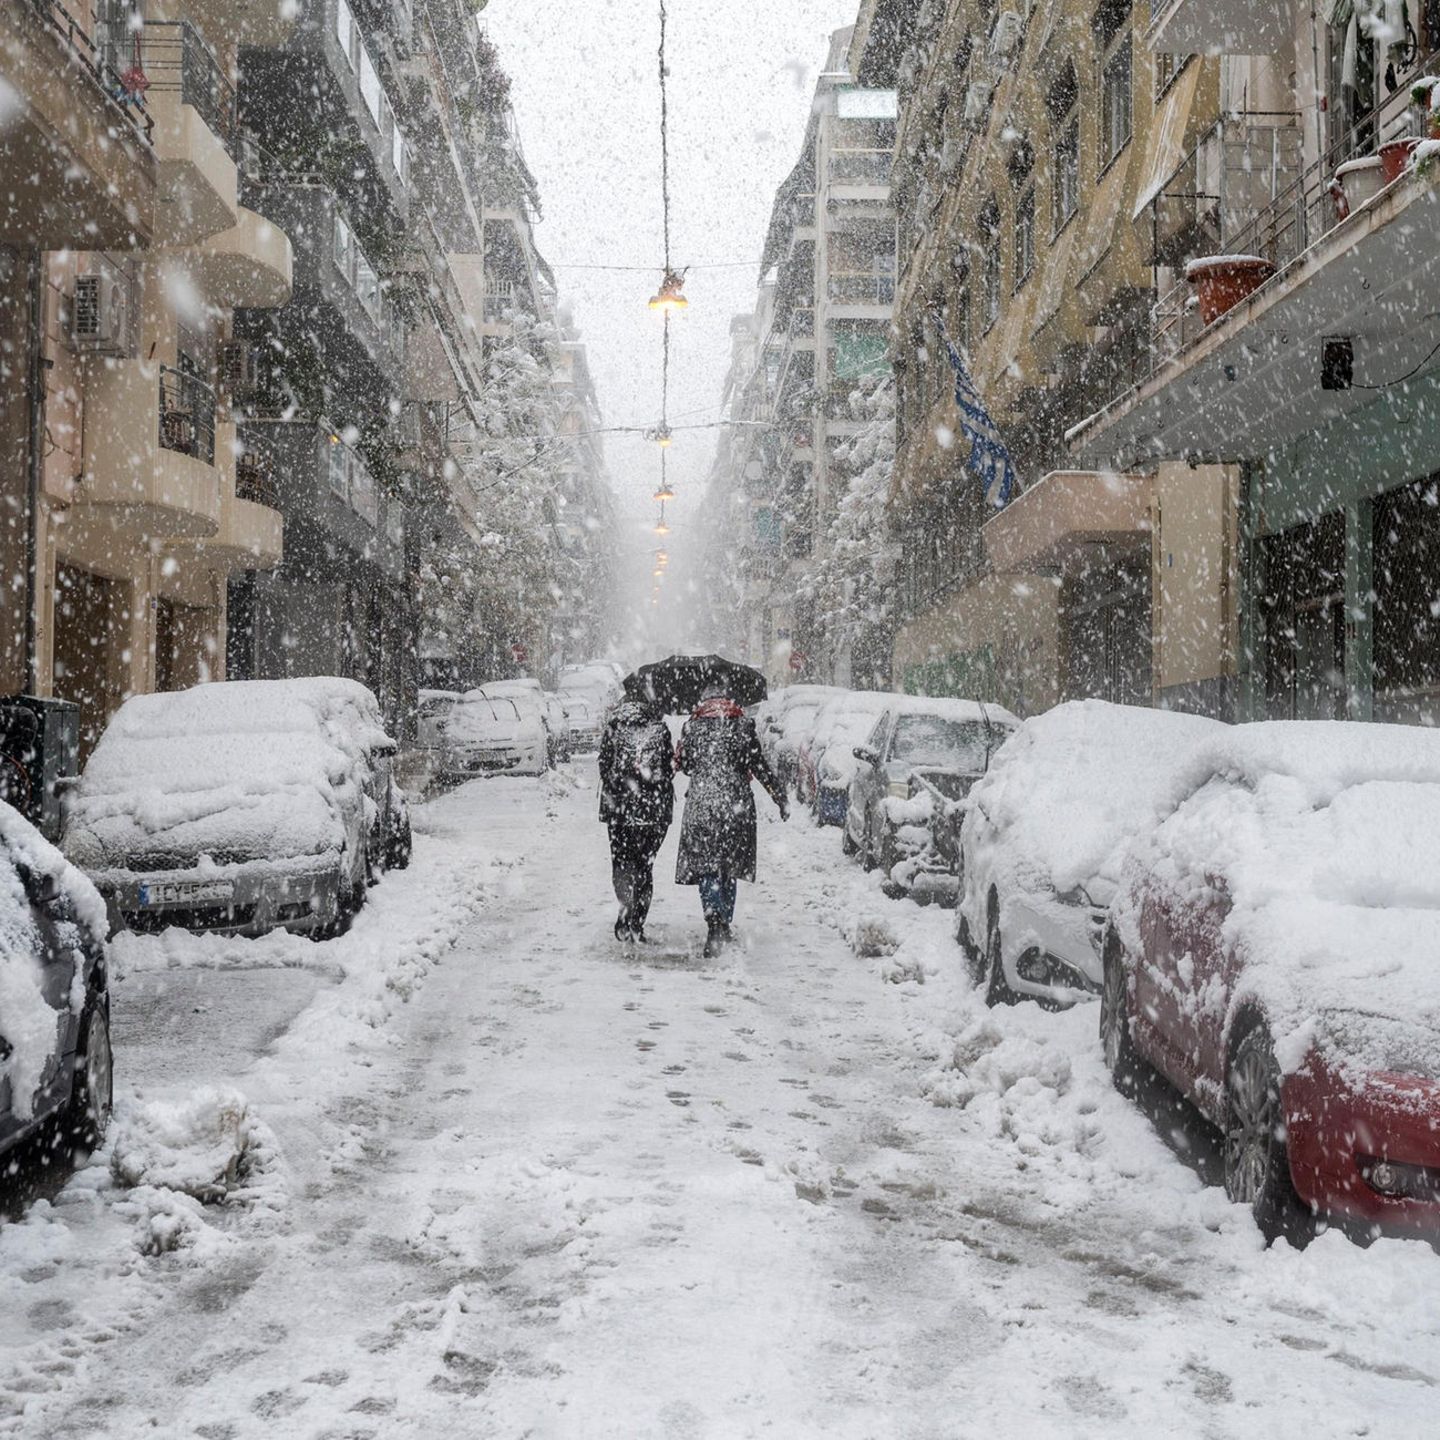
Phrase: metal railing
[178,61]
[1277,210]
[187,414]
[860,288]
[98,64]
[861,167]
[499,299]
[255,473]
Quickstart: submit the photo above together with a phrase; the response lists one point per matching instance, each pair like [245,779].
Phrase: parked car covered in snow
[529,694]
[583,720]
[826,763]
[1274,952]
[920,749]
[55,1057]
[557,721]
[785,724]
[493,735]
[240,806]
[432,707]
[598,685]
[1044,835]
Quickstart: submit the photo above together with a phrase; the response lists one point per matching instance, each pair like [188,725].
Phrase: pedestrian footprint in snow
[637,803]
[720,752]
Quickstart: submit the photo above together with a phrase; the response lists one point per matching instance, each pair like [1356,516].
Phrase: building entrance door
[1303,617]
[92,623]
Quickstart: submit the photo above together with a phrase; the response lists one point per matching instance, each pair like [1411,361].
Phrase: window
[363,499]
[338,466]
[399,154]
[1024,236]
[1111,26]
[1168,69]
[367,286]
[370,91]
[990,238]
[1066,191]
[344,249]
[345,29]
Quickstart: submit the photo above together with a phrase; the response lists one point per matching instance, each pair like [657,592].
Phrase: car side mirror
[43,891]
[866,755]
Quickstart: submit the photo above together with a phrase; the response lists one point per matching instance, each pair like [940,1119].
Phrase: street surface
[505,1177]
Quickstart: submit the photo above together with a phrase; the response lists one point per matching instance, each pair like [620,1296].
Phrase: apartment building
[1307,371]
[1032,141]
[819,334]
[128,248]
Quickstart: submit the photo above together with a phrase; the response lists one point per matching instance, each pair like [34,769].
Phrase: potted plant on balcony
[1357,182]
[1222,281]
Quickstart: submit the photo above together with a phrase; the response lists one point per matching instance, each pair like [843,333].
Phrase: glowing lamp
[671,295]
[664,492]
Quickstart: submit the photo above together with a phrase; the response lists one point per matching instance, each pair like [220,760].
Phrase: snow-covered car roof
[1068,791]
[950,708]
[483,717]
[1326,838]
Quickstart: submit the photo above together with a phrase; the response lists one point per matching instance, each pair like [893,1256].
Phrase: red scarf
[718,708]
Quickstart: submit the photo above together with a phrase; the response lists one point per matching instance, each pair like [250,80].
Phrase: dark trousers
[717,898]
[633,849]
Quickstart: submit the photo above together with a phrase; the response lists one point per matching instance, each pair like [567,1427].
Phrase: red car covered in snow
[1274,953]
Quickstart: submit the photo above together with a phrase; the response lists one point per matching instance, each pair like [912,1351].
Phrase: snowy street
[505,1177]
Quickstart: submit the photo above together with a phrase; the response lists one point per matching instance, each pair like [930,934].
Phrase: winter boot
[714,938]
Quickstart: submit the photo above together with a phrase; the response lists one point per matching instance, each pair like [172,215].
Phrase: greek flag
[989,460]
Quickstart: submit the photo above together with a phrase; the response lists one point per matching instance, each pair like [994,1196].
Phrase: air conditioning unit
[239,368]
[100,314]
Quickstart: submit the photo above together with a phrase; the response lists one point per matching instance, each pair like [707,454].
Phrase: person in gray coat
[720,752]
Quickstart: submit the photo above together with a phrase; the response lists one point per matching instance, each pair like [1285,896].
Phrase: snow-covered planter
[1395,158]
[1222,281]
[1359,182]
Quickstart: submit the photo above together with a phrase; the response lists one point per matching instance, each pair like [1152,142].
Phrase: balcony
[1220,27]
[1252,377]
[334,511]
[249,265]
[862,169]
[195,136]
[863,290]
[148,452]
[1066,520]
[80,167]
[265,24]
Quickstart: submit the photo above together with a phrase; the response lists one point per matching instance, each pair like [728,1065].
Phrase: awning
[1068,515]
[1166,146]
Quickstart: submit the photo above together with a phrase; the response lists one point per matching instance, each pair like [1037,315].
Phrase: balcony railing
[861,167]
[99,64]
[178,61]
[1247,194]
[255,473]
[499,300]
[187,414]
[862,288]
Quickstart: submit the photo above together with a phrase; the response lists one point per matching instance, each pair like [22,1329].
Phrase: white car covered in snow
[1045,835]
[493,735]
[240,807]
[922,751]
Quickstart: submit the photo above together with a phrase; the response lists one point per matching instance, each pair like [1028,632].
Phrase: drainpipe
[35,396]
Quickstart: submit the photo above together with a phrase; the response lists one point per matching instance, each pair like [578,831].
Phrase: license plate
[187,892]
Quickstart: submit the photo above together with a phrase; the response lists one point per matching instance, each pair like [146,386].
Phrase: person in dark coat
[720,752]
[637,803]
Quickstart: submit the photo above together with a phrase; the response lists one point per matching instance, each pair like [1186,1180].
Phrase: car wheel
[1121,1059]
[92,1086]
[1257,1159]
[997,987]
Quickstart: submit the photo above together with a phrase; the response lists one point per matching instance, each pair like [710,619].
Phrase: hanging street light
[664,492]
[670,297]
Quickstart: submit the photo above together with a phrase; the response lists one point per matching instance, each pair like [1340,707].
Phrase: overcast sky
[586,95]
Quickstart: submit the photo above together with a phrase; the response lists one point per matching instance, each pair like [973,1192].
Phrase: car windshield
[933,740]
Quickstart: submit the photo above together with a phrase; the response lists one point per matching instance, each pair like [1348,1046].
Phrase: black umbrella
[679,683]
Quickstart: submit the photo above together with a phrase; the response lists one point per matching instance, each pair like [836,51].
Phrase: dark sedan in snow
[1273,952]
[55,1058]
